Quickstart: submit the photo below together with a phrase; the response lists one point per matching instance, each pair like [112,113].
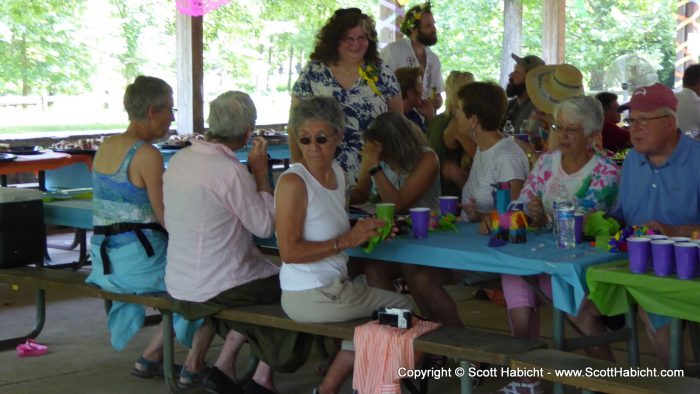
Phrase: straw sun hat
[548,85]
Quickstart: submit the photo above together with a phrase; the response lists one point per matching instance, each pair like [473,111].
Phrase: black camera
[396,317]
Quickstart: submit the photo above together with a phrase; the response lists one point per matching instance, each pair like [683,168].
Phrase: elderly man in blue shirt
[660,186]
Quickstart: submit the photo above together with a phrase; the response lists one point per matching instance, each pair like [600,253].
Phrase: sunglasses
[320,139]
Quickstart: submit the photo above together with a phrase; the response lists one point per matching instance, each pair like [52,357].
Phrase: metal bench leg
[466,381]
[84,256]
[169,352]
[40,302]
[76,241]
[558,339]
[633,341]
[694,332]
[558,329]
[676,343]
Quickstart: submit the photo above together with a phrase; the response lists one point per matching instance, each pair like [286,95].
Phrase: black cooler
[22,230]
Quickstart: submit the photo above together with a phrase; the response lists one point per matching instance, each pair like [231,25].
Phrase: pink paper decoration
[198,7]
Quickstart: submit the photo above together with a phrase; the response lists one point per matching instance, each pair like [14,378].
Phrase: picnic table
[467,250]
[614,290]
[39,163]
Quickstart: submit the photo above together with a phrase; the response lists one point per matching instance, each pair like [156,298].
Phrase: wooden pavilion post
[687,38]
[390,17]
[190,75]
[554,25]
[512,37]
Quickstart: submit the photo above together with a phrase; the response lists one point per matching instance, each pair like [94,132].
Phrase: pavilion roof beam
[553,29]
[190,74]
[512,37]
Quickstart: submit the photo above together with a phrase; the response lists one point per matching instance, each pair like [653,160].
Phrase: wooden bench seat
[73,282]
[474,345]
[551,361]
[459,343]
[272,315]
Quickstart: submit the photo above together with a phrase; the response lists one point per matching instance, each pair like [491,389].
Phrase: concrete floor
[81,360]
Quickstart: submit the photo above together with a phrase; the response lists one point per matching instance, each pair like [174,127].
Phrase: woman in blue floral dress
[345,65]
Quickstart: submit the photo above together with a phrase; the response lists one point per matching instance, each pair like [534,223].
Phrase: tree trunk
[512,37]
[289,70]
[269,68]
[25,66]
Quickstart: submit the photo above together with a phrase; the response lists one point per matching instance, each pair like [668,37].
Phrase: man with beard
[519,106]
[414,51]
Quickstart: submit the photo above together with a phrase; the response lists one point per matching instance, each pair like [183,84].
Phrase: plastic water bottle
[564,222]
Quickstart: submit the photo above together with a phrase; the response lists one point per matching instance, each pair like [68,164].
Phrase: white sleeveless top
[326,218]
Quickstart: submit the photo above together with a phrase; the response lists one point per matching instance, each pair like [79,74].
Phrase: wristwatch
[372,171]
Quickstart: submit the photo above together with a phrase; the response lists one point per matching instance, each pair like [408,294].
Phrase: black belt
[118,228]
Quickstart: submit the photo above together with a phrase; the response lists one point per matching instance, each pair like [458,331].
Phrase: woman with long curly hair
[345,65]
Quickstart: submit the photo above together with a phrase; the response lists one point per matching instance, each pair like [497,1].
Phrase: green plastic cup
[385,210]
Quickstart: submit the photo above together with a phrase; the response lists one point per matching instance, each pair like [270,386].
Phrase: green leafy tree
[597,32]
[275,34]
[136,18]
[470,34]
[39,47]
[600,31]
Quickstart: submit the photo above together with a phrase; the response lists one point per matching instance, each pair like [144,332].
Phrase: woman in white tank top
[313,229]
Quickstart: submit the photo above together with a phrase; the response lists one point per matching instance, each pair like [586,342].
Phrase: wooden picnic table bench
[465,344]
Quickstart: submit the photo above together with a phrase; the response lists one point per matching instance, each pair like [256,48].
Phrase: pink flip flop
[31,348]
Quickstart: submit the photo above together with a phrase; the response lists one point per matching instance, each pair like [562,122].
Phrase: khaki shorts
[342,300]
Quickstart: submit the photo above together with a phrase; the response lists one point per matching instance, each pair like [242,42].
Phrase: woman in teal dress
[129,244]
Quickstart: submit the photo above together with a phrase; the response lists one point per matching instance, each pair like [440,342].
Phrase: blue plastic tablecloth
[467,250]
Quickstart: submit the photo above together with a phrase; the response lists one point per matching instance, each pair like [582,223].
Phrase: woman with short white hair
[128,247]
[214,207]
[574,171]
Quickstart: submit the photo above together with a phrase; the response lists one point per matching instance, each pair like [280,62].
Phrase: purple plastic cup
[639,252]
[522,137]
[686,260]
[448,204]
[679,239]
[578,227]
[662,253]
[420,218]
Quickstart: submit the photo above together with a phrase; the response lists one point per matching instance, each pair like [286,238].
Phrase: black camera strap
[124,227]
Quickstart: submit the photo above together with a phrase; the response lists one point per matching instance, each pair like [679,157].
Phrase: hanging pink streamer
[198,7]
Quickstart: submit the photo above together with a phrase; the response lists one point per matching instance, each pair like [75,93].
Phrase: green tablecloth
[613,288]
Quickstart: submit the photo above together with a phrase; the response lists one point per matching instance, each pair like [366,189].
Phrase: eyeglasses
[320,139]
[642,121]
[351,40]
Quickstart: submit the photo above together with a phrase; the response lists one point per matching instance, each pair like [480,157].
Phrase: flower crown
[412,16]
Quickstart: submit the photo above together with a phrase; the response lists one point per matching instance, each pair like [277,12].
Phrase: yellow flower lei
[371,75]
